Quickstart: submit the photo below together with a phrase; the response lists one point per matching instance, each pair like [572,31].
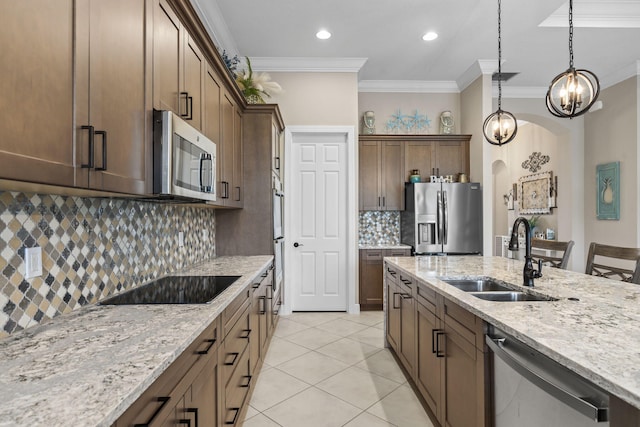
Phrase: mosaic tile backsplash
[388,222]
[91,249]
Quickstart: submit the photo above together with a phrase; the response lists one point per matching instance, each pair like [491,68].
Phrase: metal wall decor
[535,161]
[404,123]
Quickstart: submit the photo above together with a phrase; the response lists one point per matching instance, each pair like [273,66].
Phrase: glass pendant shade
[572,93]
[500,127]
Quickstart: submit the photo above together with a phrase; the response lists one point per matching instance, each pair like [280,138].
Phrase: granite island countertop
[87,367]
[597,337]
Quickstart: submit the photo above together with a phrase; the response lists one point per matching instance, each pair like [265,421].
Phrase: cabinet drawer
[426,297]
[397,252]
[236,390]
[233,311]
[371,254]
[465,323]
[391,273]
[406,281]
[235,344]
[160,399]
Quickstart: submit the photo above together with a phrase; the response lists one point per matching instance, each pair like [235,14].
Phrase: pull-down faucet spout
[528,274]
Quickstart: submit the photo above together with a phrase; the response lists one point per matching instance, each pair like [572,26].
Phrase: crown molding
[597,14]
[414,86]
[212,20]
[308,65]
[477,69]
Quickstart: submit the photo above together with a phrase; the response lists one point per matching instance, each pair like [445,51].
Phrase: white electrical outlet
[33,262]
[180,239]
[378,227]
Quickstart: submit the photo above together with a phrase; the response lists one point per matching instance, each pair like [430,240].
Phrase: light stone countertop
[398,246]
[87,367]
[597,337]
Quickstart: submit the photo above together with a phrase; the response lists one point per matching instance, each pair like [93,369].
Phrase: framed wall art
[534,193]
[608,188]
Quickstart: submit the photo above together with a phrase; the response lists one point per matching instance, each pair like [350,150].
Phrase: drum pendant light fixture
[500,127]
[573,92]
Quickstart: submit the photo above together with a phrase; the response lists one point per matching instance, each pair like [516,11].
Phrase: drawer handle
[265,274]
[248,332]
[439,333]
[405,281]
[185,421]
[235,417]
[211,344]
[256,285]
[193,411]
[235,357]
[248,377]
[164,401]
[394,300]
[263,300]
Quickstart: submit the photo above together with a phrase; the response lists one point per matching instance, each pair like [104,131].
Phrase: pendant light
[573,92]
[500,127]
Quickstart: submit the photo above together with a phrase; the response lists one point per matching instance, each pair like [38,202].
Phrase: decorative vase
[415,176]
[254,99]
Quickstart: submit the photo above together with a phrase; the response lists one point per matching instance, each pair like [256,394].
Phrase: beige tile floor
[331,369]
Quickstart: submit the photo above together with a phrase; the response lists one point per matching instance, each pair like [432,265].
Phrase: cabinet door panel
[463,377]
[194,73]
[392,184]
[167,36]
[371,281]
[225,150]
[428,365]
[452,157]
[369,178]
[203,399]
[407,331]
[393,315]
[419,155]
[36,106]
[118,85]
[237,193]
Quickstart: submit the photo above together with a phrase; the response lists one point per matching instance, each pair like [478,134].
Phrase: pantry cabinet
[440,345]
[387,162]
[380,175]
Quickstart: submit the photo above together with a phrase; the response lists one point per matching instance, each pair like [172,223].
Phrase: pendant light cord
[499,56]
[570,33]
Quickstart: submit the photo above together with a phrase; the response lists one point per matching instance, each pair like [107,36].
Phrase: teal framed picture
[608,188]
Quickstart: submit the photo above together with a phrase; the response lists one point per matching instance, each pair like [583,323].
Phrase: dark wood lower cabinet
[371,274]
[440,345]
[210,384]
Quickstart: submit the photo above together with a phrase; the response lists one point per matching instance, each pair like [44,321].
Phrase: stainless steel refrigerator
[442,218]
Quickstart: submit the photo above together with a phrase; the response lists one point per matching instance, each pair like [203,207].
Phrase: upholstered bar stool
[552,245]
[600,268]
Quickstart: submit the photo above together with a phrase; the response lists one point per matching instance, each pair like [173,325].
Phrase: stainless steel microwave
[184,160]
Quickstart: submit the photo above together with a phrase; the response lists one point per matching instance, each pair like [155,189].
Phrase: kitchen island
[593,328]
[87,367]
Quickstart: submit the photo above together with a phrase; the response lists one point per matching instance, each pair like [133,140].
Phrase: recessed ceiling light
[323,34]
[430,36]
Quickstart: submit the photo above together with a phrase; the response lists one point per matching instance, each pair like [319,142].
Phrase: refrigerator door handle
[445,217]
[439,218]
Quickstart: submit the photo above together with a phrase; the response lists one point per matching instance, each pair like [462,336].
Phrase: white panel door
[318,222]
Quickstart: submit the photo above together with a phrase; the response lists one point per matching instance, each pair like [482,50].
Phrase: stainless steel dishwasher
[531,390]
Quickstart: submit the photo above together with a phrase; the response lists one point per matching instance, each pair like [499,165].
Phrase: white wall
[611,134]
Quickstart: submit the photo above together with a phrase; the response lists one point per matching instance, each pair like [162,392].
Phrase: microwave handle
[205,157]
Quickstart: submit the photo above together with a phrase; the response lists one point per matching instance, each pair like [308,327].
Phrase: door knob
[296,244]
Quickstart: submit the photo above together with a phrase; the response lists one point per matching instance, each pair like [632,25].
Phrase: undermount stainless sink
[479,284]
[512,296]
[490,289]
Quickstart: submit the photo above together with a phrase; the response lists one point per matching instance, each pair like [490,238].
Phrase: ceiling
[388,35]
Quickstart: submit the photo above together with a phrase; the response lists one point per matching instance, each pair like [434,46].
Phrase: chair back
[552,245]
[612,271]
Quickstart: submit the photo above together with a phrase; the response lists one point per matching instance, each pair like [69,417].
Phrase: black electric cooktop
[175,290]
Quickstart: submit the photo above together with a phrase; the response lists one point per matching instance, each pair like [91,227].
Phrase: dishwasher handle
[586,408]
